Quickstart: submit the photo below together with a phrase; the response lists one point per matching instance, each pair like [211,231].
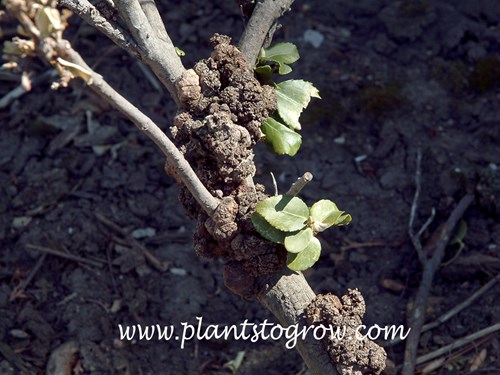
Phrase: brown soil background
[394,76]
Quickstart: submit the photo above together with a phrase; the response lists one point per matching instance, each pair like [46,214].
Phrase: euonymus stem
[298,185]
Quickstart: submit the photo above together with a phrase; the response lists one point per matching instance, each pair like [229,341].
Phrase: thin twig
[427,223]
[264,15]
[349,244]
[146,125]
[301,183]
[455,310]
[458,343]
[436,246]
[110,268]
[449,357]
[21,288]
[76,258]
[418,185]
[90,14]
[20,90]
[158,264]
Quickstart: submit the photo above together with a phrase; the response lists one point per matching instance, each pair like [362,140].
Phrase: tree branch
[257,30]
[286,294]
[151,11]
[158,52]
[90,14]
[146,125]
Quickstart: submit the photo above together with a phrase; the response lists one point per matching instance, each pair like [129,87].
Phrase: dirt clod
[224,106]
[351,355]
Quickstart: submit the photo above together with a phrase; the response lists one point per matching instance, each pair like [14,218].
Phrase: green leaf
[282,54]
[265,74]
[266,230]
[306,258]
[459,234]
[281,139]
[180,52]
[293,96]
[458,239]
[297,242]
[325,214]
[284,212]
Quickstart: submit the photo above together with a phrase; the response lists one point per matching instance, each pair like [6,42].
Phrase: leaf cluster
[280,130]
[287,220]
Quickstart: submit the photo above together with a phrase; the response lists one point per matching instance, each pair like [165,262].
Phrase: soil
[77,178]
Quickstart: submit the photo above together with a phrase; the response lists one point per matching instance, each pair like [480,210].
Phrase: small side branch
[265,13]
[93,17]
[157,50]
[146,125]
[146,37]
[411,232]
[20,90]
[136,21]
[154,18]
[436,246]
[301,183]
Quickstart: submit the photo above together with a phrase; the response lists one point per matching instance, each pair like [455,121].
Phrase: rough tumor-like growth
[352,356]
[223,109]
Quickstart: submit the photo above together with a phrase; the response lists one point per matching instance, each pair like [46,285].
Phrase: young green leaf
[180,52]
[293,96]
[459,235]
[282,54]
[297,242]
[306,258]
[265,74]
[266,230]
[326,214]
[282,140]
[284,212]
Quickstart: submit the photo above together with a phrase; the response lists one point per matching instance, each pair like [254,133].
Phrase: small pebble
[339,140]
[178,271]
[360,158]
[143,232]
[21,221]
[314,37]
[19,334]
[116,306]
